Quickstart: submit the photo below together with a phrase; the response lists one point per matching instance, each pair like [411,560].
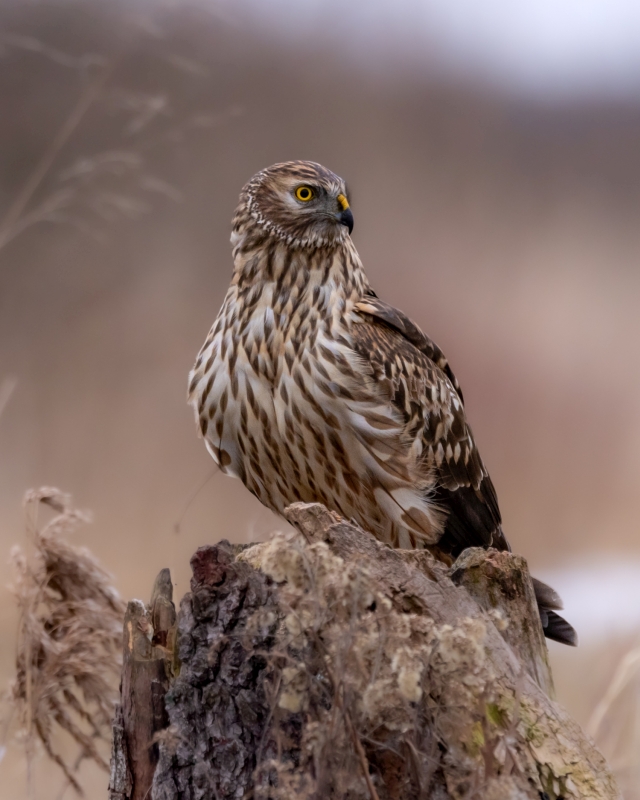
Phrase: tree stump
[323,664]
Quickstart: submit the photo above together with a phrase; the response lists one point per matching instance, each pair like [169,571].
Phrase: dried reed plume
[69,637]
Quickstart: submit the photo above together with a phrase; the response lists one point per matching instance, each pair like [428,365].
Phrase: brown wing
[400,322]
[425,391]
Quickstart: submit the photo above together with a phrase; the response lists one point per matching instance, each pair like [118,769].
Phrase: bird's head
[300,202]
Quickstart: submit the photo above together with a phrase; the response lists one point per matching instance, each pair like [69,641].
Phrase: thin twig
[7,388]
[177,526]
[86,100]
[627,669]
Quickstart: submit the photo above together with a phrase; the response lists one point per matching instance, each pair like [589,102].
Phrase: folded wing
[423,388]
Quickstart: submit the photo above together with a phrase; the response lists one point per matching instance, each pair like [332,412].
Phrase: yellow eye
[304,194]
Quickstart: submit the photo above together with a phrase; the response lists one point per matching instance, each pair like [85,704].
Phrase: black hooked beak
[345,216]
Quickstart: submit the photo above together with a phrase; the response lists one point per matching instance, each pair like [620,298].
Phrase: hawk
[311,388]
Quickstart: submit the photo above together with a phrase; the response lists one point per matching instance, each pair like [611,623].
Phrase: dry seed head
[69,637]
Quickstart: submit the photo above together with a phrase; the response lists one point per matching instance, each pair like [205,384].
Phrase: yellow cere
[304,193]
[344,203]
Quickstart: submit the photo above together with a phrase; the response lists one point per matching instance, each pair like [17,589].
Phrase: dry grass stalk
[7,388]
[615,724]
[69,638]
[9,226]
[111,185]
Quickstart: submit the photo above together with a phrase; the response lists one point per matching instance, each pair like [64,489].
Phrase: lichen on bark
[322,664]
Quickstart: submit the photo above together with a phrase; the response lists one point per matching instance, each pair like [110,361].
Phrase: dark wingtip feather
[558,629]
[546,596]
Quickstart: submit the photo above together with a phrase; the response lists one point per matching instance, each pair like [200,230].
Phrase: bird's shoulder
[382,315]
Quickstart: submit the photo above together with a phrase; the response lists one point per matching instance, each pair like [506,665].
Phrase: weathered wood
[500,582]
[326,665]
[146,673]
[120,780]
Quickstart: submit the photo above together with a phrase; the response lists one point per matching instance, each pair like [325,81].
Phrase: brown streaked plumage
[309,387]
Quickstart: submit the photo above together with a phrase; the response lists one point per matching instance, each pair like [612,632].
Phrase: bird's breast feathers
[297,413]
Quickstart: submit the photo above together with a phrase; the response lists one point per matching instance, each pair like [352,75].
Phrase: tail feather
[558,629]
[554,626]
[546,596]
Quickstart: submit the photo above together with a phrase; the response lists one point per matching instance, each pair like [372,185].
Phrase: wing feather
[422,387]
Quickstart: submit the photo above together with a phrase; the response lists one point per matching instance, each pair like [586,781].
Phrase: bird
[310,388]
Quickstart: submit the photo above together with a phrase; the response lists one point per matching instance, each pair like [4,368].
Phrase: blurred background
[493,155]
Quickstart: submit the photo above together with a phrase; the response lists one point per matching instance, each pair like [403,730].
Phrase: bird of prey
[311,388]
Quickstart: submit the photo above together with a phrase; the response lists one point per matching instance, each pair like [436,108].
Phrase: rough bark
[219,705]
[326,665]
